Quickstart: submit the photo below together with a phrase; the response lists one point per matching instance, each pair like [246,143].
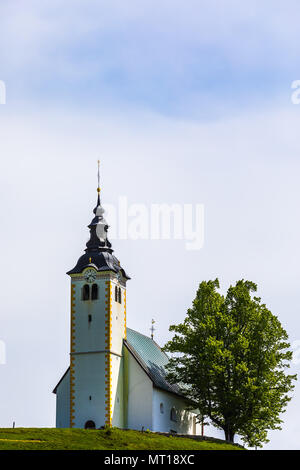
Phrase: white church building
[116,375]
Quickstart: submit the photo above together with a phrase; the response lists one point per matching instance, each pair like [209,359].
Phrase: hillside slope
[108,439]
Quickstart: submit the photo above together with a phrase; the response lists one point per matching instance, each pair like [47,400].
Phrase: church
[116,376]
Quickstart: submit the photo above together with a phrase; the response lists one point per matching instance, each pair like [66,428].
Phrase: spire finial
[98,187]
[152,329]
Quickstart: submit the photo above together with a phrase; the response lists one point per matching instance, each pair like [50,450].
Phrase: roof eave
[144,367]
[55,388]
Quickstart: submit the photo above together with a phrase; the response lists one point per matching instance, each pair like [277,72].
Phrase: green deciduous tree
[231,355]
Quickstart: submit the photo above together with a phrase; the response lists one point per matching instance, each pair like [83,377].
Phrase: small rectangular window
[86,292]
[94,292]
[90,318]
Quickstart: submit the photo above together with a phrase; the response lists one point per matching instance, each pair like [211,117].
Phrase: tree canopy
[230,357]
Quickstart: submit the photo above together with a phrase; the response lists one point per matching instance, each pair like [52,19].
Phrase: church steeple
[98,329]
[98,252]
[98,227]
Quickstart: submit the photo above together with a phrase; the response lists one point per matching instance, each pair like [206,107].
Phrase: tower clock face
[90,275]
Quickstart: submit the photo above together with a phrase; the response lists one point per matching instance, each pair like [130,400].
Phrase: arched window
[86,292]
[173,415]
[120,296]
[161,408]
[94,292]
[116,293]
[90,425]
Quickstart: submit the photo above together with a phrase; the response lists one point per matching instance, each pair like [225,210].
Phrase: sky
[183,103]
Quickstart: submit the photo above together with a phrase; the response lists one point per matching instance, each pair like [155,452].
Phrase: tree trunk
[229,434]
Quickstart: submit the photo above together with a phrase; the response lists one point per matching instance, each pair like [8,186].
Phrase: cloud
[244,170]
[166,57]
[182,102]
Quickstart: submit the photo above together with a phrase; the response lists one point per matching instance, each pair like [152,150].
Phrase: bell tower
[98,327]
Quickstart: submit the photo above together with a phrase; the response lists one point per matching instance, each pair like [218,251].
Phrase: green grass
[108,439]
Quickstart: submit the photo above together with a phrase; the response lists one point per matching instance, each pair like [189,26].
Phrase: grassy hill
[108,439]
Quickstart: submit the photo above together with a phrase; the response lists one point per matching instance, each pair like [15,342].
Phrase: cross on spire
[98,187]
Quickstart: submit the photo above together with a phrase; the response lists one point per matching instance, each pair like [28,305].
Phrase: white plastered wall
[117,336]
[139,398]
[63,402]
[161,415]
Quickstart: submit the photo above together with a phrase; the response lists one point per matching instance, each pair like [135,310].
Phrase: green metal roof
[153,360]
[150,357]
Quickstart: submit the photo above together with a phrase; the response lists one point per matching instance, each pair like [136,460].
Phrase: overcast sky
[183,102]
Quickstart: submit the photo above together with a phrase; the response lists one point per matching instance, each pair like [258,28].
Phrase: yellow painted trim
[100,275]
[108,362]
[125,328]
[72,359]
